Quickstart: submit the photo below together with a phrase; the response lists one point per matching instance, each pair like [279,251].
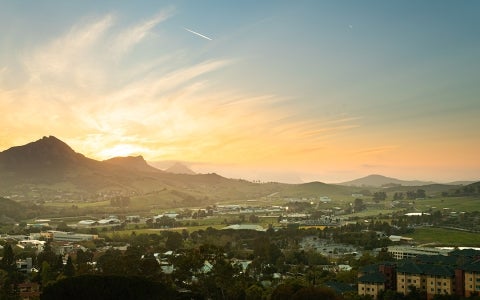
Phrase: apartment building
[455,274]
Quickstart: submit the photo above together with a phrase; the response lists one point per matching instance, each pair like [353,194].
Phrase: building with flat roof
[404,252]
[71,236]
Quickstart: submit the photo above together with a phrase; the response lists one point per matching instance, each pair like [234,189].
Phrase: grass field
[78,204]
[453,203]
[445,237]
[128,232]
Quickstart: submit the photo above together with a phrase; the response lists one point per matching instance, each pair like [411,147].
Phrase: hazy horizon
[271,90]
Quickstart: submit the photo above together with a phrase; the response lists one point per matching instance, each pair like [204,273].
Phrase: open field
[453,203]
[445,237]
[372,212]
[128,232]
[78,204]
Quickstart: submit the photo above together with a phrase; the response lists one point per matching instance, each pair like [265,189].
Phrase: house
[24,265]
[109,221]
[325,199]
[38,245]
[29,290]
[245,227]
[87,223]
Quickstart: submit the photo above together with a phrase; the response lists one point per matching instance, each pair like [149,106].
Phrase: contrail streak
[199,34]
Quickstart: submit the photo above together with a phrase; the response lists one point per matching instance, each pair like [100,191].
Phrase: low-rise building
[406,252]
[29,290]
[71,236]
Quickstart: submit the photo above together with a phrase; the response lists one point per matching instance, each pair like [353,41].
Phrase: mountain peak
[179,168]
[46,151]
[132,162]
[48,141]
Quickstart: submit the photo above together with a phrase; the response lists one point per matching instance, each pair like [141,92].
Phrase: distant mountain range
[48,168]
[383,181]
[52,166]
[50,161]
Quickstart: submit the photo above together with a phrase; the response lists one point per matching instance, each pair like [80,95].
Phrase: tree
[346,276]
[58,266]
[83,260]
[8,259]
[46,274]
[149,266]
[8,290]
[358,205]
[285,291]
[108,287]
[254,292]
[166,221]
[384,255]
[47,255]
[253,218]
[379,196]
[111,263]
[267,252]
[421,194]
[174,240]
[69,269]
[398,196]
[62,226]
[313,293]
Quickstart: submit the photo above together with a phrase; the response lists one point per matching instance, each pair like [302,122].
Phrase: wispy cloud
[375,150]
[88,87]
[130,37]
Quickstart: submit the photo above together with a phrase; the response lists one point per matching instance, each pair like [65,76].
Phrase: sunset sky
[270,90]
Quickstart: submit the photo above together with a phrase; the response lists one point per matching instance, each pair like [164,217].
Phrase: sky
[290,91]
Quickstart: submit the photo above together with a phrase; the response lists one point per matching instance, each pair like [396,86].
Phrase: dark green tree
[174,240]
[47,255]
[69,269]
[254,292]
[379,196]
[8,259]
[358,205]
[149,266]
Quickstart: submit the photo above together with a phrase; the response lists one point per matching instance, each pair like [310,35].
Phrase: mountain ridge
[132,162]
[52,166]
[376,180]
[179,168]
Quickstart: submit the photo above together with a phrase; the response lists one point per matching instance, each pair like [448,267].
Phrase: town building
[457,273]
[406,252]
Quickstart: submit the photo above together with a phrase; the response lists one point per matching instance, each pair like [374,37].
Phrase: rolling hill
[380,181]
[53,167]
[10,211]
